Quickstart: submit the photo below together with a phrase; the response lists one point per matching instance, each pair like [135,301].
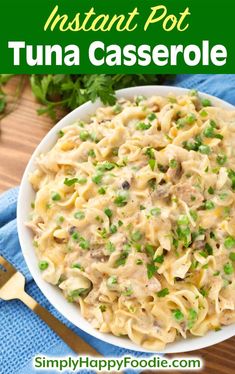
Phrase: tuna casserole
[134,217]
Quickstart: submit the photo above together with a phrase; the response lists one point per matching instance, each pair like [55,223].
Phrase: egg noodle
[134,217]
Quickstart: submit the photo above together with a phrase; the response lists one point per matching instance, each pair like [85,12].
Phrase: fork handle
[77,344]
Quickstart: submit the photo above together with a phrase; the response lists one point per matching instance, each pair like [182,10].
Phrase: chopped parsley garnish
[77,293]
[164,292]
[152,183]
[192,317]
[159,259]
[193,214]
[175,243]
[94,138]
[194,265]
[139,99]
[97,178]
[152,116]
[200,232]
[227,211]
[43,265]
[81,180]
[180,123]
[108,212]
[110,247]
[213,124]
[231,175]
[56,196]
[117,109]
[149,249]
[70,182]
[183,220]
[139,262]
[127,247]
[155,212]
[143,126]
[223,195]
[208,249]
[150,153]
[221,159]
[121,199]
[122,259]
[151,270]
[203,254]
[211,190]
[84,244]
[152,163]
[79,215]
[77,266]
[209,205]
[204,149]
[136,236]
[111,280]
[232,256]
[106,166]
[177,314]
[229,242]
[127,292]
[103,233]
[173,164]
[102,191]
[194,144]
[184,235]
[203,292]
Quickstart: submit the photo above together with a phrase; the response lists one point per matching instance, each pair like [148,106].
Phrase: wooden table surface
[21,131]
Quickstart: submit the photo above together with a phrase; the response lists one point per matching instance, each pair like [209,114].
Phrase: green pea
[229,242]
[228,268]
[56,196]
[204,149]
[43,265]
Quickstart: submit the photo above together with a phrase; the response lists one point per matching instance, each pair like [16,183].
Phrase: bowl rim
[25,236]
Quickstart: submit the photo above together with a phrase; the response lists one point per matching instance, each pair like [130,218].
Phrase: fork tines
[6,271]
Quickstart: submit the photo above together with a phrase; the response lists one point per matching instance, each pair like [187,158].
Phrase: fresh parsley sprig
[58,92]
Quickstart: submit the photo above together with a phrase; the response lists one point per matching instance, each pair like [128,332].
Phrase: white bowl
[53,294]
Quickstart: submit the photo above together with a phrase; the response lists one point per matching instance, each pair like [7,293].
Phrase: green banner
[124,36]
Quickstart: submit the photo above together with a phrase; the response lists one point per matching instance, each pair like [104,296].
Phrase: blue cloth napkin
[23,334]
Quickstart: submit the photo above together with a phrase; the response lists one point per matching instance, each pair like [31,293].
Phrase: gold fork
[12,284]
